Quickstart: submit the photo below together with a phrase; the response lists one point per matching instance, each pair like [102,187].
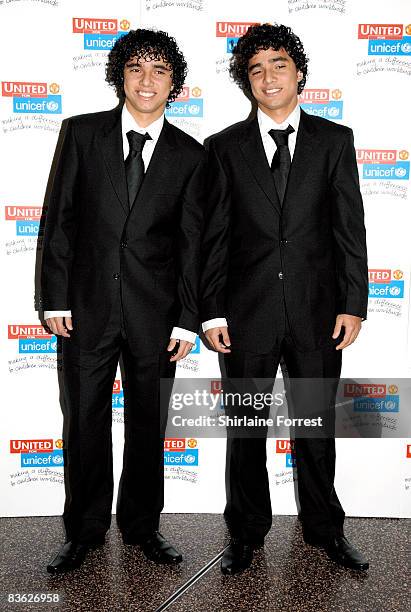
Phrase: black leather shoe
[341,551]
[71,556]
[237,557]
[157,549]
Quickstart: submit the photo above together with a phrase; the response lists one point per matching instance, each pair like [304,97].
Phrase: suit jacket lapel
[112,147]
[252,149]
[301,159]
[164,161]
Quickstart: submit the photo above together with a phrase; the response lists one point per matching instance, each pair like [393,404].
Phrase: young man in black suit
[286,269]
[120,268]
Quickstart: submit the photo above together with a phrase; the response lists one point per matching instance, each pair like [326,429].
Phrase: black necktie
[280,165]
[134,163]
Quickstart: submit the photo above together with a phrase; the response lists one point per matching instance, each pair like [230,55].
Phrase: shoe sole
[229,572]
[54,570]
[175,561]
[361,567]
[171,561]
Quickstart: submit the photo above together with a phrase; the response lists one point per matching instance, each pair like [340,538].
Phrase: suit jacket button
[280,275]
[284,241]
[116,276]
[123,244]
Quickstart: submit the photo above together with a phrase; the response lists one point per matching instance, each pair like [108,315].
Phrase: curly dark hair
[262,37]
[148,45]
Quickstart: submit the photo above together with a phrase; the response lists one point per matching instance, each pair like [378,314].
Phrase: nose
[146,80]
[269,76]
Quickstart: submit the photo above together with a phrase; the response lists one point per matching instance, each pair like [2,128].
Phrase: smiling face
[274,80]
[147,86]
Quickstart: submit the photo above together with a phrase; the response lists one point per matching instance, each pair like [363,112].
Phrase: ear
[299,75]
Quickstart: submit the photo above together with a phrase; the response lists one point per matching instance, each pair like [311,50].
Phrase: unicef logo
[190,459]
[194,109]
[390,405]
[406,47]
[333,111]
[57,459]
[52,106]
[54,346]
[394,291]
[400,172]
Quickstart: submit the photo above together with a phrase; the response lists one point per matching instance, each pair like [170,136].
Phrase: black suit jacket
[315,241]
[95,247]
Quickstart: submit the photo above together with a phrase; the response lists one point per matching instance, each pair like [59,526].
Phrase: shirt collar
[266,123]
[129,123]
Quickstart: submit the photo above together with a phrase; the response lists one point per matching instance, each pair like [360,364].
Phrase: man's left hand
[352,325]
[183,350]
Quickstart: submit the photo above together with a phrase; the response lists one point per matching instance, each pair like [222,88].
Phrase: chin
[272,105]
[146,109]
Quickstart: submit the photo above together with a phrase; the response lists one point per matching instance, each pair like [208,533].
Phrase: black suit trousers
[88,377]
[248,511]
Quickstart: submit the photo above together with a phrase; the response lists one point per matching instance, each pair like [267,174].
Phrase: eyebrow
[162,66]
[280,58]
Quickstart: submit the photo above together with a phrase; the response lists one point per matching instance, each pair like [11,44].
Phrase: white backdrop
[52,61]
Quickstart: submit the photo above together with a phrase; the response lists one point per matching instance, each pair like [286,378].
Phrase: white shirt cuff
[49,314]
[214,323]
[179,333]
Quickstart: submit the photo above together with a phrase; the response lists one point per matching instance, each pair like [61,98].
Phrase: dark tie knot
[137,140]
[280,137]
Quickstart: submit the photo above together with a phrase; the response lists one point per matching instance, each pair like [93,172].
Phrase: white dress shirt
[129,123]
[265,123]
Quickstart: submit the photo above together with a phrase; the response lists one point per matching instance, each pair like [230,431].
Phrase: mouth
[274,91]
[146,94]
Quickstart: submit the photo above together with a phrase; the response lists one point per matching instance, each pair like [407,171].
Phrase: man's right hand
[60,325]
[213,337]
